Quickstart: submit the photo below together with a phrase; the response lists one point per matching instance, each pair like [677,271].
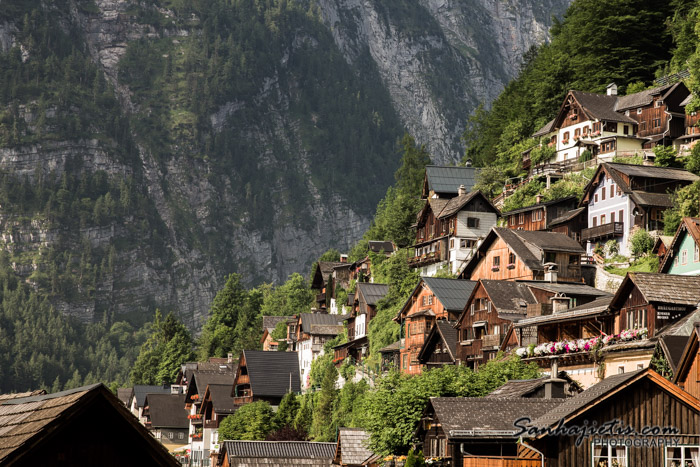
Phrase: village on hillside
[533,282]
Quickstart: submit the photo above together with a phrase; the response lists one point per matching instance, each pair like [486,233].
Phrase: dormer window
[658,103]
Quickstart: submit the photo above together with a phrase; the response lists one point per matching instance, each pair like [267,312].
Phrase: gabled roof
[655,287]
[594,308]
[271,322]
[540,205]
[140,391]
[452,293]
[221,399]
[580,403]
[546,129]
[272,374]
[391,348]
[202,379]
[124,395]
[378,246]
[322,270]
[278,450]
[21,395]
[445,331]
[484,417]
[167,410]
[322,323]
[672,347]
[689,225]
[509,296]
[352,447]
[642,98]
[599,107]
[650,171]
[527,387]
[457,203]
[690,352]
[568,289]
[447,179]
[29,422]
[567,217]
[372,292]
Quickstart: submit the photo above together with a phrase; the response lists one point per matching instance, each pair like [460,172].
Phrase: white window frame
[682,459]
[684,256]
[608,457]
[696,255]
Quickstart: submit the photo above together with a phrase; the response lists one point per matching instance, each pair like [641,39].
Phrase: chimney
[539,199]
[230,357]
[343,258]
[462,190]
[612,89]
[550,272]
[468,163]
[554,387]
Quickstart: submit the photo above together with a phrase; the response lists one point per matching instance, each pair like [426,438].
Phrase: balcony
[316,347]
[242,400]
[425,259]
[211,424]
[611,229]
[491,340]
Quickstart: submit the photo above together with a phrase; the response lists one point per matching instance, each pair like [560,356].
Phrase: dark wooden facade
[663,117]
[688,372]
[572,225]
[539,216]
[649,400]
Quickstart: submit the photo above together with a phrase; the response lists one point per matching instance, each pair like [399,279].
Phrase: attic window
[627,113]
[473,222]
[639,111]
[658,103]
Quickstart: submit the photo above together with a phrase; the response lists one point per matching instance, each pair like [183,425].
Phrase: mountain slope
[150,148]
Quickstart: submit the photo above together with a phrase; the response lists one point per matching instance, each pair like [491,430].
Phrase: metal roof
[452,293]
[168,410]
[371,292]
[352,446]
[140,391]
[279,449]
[443,179]
[273,373]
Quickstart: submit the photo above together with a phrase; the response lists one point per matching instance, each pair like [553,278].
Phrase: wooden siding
[645,120]
[487,220]
[484,269]
[500,462]
[642,404]
[534,219]
[691,380]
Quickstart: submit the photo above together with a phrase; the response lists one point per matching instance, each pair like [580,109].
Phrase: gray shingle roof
[452,293]
[371,292]
[352,443]
[567,217]
[448,179]
[168,410]
[666,288]
[486,414]
[377,246]
[547,128]
[221,398]
[315,323]
[280,449]
[643,198]
[270,322]
[529,246]
[570,288]
[202,379]
[570,406]
[124,394]
[457,203]
[647,171]
[596,307]
[445,331]
[640,99]
[391,348]
[140,391]
[272,372]
[509,296]
[601,107]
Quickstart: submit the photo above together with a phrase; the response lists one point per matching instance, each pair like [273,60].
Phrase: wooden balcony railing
[491,340]
[611,229]
[211,424]
[242,400]
[500,462]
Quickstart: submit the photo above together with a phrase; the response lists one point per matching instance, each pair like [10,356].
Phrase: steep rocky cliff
[251,138]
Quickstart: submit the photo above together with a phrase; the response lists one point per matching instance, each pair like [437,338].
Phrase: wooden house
[321,277]
[167,419]
[683,253]
[124,395]
[636,400]
[352,449]
[313,330]
[477,432]
[265,376]
[365,299]
[440,347]
[622,197]
[81,426]
[445,181]
[275,453]
[539,216]
[691,132]
[391,356]
[571,223]
[661,245]
[489,313]
[687,374]
[507,254]
[448,230]
[269,325]
[432,299]
[216,405]
[138,398]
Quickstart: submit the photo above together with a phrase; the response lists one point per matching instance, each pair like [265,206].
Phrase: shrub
[585,156]
[641,242]
[542,154]
[611,248]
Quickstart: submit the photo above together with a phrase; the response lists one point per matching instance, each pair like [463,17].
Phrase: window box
[496,268]
[511,266]
[596,133]
[565,141]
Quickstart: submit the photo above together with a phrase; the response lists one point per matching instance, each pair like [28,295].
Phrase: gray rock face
[436,72]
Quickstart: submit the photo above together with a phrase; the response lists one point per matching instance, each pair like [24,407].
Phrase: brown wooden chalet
[440,347]
[621,197]
[81,426]
[365,299]
[638,399]
[488,315]
[445,181]
[265,376]
[352,449]
[166,418]
[654,301]
[217,405]
[432,299]
[691,132]
[539,216]
[477,432]
[661,245]
[269,325]
[391,356]
[571,223]
[322,280]
[275,453]
[687,374]
[447,230]
[507,254]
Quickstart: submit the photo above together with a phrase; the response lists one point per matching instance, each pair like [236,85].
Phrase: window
[611,126]
[565,139]
[473,222]
[577,132]
[627,112]
[658,103]
[586,130]
[170,435]
[602,194]
[675,261]
[488,306]
[553,140]
[626,129]
[596,126]
[512,219]
[684,256]
[609,455]
[537,215]
[621,370]
[595,198]
[683,455]
[595,221]
[181,435]
[550,257]
[472,308]
[608,146]
[452,244]
[496,261]
[636,318]
[640,366]
[621,215]
[404,362]
[602,219]
[643,126]
[612,191]
[639,111]
[696,256]
[521,218]
[464,243]
[574,260]
[656,123]
[511,256]
[496,329]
